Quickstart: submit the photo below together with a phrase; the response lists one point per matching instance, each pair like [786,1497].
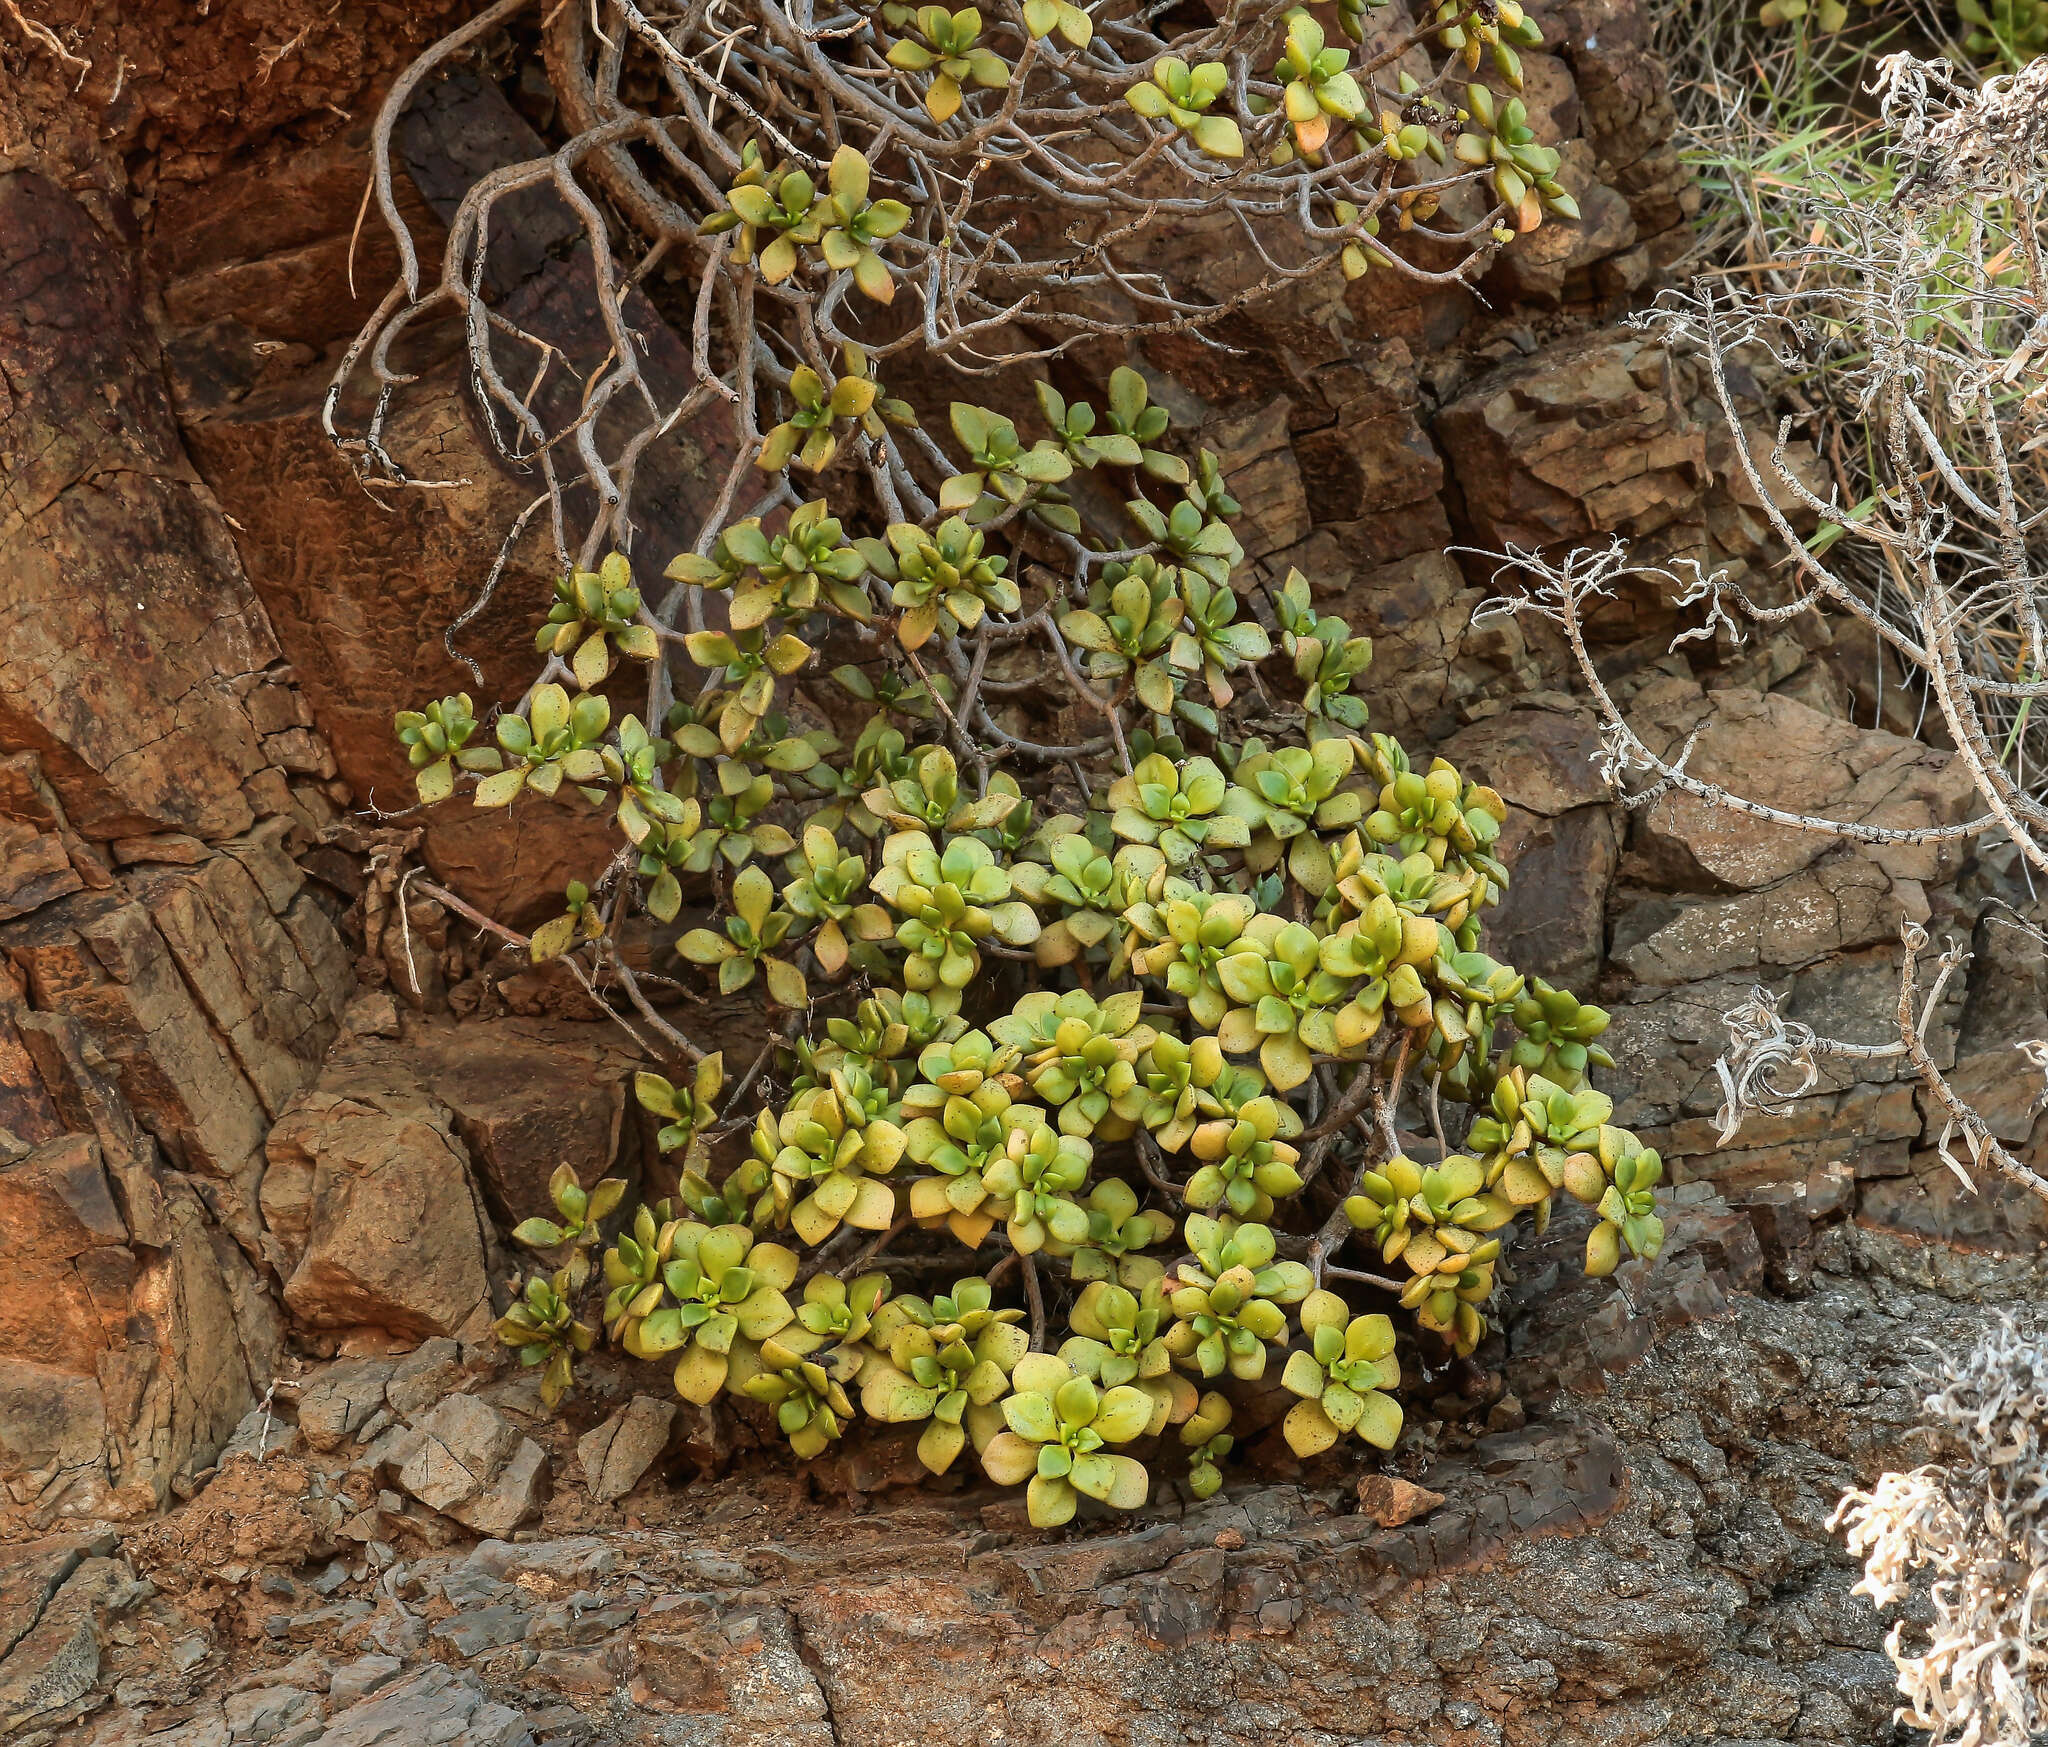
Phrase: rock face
[528,1095]
[1591,437]
[1785,754]
[1645,1561]
[1562,838]
[369,1200]
[209,1149]
[617,1453]
[134,647]
[151,1023]
[468,1461]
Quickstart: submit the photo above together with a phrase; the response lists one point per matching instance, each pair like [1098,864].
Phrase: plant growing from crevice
[1102,945]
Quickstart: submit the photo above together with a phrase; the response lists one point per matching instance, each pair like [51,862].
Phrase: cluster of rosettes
[1094,1418]
[905,1114]
[1231,945]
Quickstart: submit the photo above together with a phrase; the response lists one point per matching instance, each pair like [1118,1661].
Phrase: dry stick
[820,1260]
[1983,1142]
[1385,1097]
[1333,1272]
[746,1080]
[395,104]
[1036,1299]
[1153,1163]
[966,741]
[441,895]
[44,36]
[882,1241]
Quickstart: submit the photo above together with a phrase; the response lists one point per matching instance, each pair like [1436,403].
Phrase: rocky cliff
[265,1111]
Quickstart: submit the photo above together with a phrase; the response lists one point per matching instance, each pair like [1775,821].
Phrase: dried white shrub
[1978,1519]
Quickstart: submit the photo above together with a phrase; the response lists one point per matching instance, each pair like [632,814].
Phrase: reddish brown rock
[125,618]
[369,1200]
[1391,1501]
[1591,436]
[528,1095]
[63,1247]
[96,958]
[1773,749]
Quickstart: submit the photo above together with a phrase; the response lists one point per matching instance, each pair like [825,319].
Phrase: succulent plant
[959,1145]
[720,1287]
[950,901]
[1344,1377]
[943,580]
[958,1067]
[808,1393]
[1435,1221]
[1179,93]
[686,1111]
[809,436]
[1133,611]
[885,1028]
[1042,17]
[1033,1182]
[1118,1333]
[556,741]
[752,933]
[1228,1298]
[1075,903]
[582,919]
[1188,1085]
[1073,428]
[1404,1207]
[437,744]
[1187,938]
[1131,413]
[1079,1055]
[1627,1207]
[1326,658]
[823,882]
[927,798]
[809,562]
[593,612]
[1088,888]
[1475,34]
[1318,87]
[763,200]
[1206,1435]
[578,1211]
[1245,1162]
[1117,1231]
[1000,469]
[950,52]
[1285,1005]
[851,225]
[1176,807]
[824,1169]
[632,1269]
[947,1362]
[1285,797]
[746,665]
[839,1310]
[731,827]
[1523,172]
[1557,1035]
[1058,1428]
[1211,639]
[1437,812]
[542,1329]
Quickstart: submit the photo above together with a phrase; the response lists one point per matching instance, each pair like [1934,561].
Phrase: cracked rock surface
[1645,1561]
